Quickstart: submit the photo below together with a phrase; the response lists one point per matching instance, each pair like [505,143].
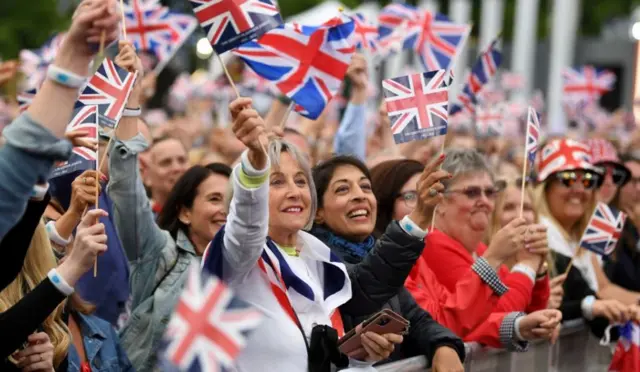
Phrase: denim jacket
[27,158]
[102,347]
[158,262]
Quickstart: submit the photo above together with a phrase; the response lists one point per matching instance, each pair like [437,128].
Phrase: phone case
[383,322]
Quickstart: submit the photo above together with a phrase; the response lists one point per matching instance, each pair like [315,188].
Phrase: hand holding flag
[604,230]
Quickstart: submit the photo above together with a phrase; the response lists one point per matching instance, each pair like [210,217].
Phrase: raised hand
[83,191]
[429,192]
[90,19]
[249,127]
[129,60]
[91,240]
[507,242]
[357,73]
[78,138]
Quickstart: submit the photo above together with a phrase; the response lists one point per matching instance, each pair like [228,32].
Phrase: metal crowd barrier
[577,350]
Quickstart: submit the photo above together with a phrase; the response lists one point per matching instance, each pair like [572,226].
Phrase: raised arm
[141,237]
[237,248]
[34,141]
[351,138]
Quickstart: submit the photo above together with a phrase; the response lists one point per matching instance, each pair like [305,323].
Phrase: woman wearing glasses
[565,198]
[462,221]
[468,309]
[615,173]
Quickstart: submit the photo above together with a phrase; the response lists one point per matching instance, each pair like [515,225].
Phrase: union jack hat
[602,151]
[562,155]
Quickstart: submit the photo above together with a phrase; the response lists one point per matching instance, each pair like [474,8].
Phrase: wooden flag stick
[578,252]
[433,218]
[283,122]
[103,37]
[235,90]
[124,22]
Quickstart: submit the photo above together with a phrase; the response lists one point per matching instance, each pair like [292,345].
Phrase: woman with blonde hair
[70,338]
[565,199]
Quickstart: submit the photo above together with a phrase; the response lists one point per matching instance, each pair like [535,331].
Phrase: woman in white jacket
[264,255]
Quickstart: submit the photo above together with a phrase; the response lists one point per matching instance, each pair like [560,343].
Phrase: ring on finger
[84,180]
[433,192]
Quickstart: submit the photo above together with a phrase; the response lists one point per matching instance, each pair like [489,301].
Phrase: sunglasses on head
[475,192]
[619,175]
[588,180]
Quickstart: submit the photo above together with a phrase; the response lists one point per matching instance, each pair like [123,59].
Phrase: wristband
[59,282]
[587,307]
[64,77]
[54,236]
[411,228]
[132,113]
[39,191]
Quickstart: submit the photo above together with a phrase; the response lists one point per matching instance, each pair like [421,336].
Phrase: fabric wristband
[39,191]
[54,236]
[64,77]
[59,282]
[587,307]
[412,228]
[132,113]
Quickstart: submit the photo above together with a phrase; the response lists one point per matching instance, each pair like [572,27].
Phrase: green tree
[27,24]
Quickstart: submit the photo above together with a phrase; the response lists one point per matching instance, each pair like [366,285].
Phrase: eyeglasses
[569,178]
[410,198]
[619,175]
[475,192]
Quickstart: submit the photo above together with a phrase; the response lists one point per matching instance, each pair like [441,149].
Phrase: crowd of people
[352,223]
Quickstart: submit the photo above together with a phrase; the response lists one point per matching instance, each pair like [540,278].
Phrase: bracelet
[132,113]
[54,236]
[59,282]
[65,77]
[412,228]
[39,191]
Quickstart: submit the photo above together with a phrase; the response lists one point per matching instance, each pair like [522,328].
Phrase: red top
[450,261]
[156,208]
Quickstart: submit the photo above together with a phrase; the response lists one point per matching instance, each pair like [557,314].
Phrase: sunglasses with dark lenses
[588,180]
[475,192]
[619,175]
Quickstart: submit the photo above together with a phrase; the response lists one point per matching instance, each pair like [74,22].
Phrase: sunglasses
[619,175]
[475,192]
[588,180]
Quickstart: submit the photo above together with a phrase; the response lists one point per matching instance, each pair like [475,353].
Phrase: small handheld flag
[208,328]
[109,89]
[417,105]
[231,23]
[84,118]
[489,121]
[530,150]
[586,83]
[604,230]
[626,358]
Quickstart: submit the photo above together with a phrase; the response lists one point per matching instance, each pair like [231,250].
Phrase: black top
[385,269]
[623,268]
[575,290]
[14,245]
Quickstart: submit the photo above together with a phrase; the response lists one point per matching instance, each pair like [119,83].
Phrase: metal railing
[577,350]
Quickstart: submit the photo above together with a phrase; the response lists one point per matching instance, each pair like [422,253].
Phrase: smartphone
[383,322]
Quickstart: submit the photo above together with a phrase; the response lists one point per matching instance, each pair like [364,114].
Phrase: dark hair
[387,179]
[627,239]
[323,172]
[184,193]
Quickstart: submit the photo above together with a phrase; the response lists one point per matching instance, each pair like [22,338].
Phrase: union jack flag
[154,28]
[489,121]
[511,80]
[34,63]
[417,105]
[25,99]
[393,16]
[604,230]
[109,89]
[533,134]
[84,118]
[485,68]
[439,40]
[230,23]
[586,83]
[366,33]
[307,64]
[209,326]
[626,357]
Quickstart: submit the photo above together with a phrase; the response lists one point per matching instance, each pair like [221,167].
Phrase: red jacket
[461,311]
[450,261]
